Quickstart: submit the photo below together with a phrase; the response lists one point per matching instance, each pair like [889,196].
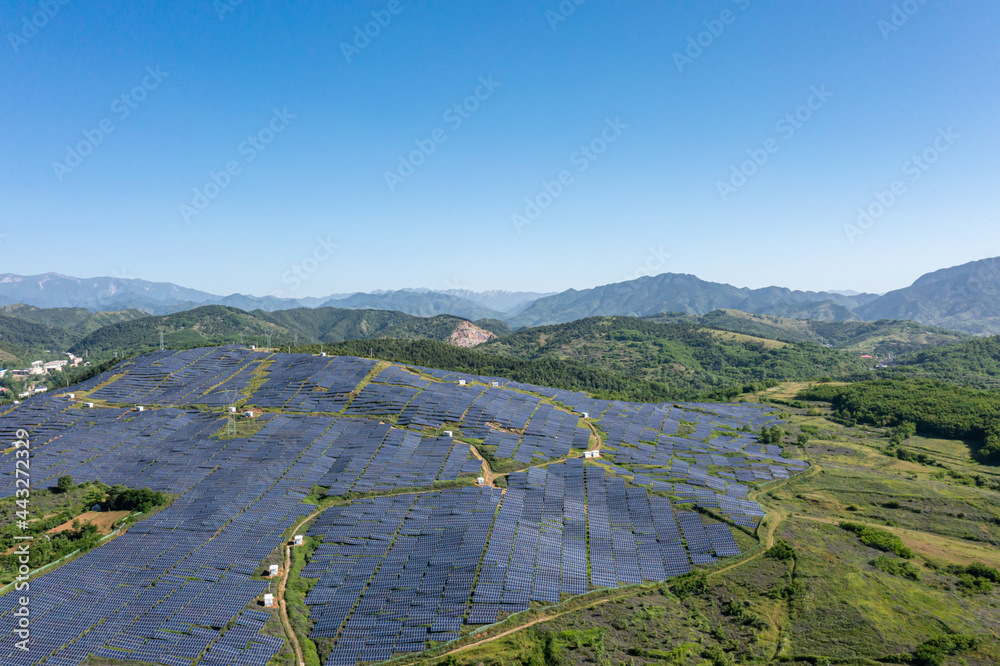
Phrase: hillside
[973,362]
[880,338]
[77,321]
[204,326]
[22,342]
[963,298]
[332,325]
[683,356]
[217,324]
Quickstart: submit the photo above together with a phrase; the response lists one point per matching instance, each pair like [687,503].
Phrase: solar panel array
[197,376]
[392,572]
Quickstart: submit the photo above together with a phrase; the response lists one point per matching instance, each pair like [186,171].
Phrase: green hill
[219,324]
[78,321]
[212,324]
[24,341]
[684,356]
[879,338]
[974,362]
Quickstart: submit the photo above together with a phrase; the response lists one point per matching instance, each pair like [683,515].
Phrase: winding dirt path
[282,606]
[597,436]
[489,476]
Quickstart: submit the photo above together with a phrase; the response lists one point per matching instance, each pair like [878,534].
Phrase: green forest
[931,407]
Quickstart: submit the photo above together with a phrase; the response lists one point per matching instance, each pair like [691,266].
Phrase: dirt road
[282,607]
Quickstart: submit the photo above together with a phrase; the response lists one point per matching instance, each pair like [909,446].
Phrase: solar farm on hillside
[420,550]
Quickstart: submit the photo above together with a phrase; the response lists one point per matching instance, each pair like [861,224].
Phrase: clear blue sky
[650,202]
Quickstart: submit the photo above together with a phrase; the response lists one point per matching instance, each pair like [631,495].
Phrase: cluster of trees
[122,498]
[49,548]
[772,435]
[927,406]
[118,497]
[974,363]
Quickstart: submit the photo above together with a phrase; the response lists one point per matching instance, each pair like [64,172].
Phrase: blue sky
[325,115]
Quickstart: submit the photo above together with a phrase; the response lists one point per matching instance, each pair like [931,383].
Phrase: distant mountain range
[964,298]
[673,292]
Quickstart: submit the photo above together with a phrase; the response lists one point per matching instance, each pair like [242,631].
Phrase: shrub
[879,539]
[717,656]
[896,567]
[123,498]
[977,578]
[933,652]
[688,586]
[791,591]
[781,550]
[975,584]
[983,571]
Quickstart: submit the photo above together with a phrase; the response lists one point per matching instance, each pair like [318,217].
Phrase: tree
[65,483]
